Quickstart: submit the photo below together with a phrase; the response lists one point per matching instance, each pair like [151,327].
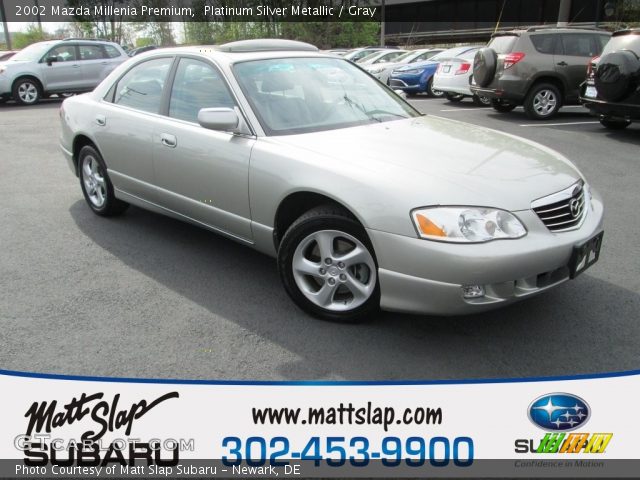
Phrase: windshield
[301,95]
[32,53]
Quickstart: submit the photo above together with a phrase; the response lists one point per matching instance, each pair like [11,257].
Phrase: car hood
[432,160]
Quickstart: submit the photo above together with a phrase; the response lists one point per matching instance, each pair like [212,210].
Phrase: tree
[33,34]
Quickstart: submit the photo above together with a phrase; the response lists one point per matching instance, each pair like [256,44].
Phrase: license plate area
[446,69]
[584,255]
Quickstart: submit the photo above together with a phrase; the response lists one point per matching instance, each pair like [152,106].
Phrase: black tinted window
[141,87]
[580,44]
[544,43]
[197,85]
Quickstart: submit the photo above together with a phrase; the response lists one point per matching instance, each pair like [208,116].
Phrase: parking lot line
[554,124]
[463,109]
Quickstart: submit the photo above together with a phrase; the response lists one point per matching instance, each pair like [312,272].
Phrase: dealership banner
[83,427]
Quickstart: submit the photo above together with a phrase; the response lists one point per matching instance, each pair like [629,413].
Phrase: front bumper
[421,276]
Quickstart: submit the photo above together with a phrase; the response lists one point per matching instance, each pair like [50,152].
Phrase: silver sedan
[364,202]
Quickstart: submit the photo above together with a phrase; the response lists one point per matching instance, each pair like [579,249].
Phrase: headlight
[466,224]
[376,70]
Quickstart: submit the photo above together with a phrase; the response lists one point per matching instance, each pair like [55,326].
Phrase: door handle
[168,140]
[75,66]
[562,64]
[104,63]
[101,120]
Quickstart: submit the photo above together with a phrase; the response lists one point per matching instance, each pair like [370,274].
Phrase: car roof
[214,52]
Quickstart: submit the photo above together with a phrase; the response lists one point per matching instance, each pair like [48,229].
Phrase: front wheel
[614,124]
[26,91]
[328,267]
[96,185]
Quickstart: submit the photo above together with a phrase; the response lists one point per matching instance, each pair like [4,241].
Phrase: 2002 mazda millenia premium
[305,157]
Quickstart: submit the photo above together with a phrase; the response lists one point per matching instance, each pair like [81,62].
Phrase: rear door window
[91,52]
[503,43]
[141,87]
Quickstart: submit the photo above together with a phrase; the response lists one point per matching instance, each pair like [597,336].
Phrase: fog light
[472,291]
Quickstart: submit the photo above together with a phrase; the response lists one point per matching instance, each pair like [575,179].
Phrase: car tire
[454,97]
[433,93]
[613,124]
[316,269]
[96,185]
[542,102]
[26,91]
[484,66]
[481,100]
[502,106]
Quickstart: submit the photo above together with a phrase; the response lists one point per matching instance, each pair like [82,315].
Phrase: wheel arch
[292,206]
[81,140]
[28,76]
[553,79]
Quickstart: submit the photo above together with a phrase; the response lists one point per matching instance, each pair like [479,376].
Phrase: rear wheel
[542,102]
[431,92]
[613,124]
[481,100]
[328,267]
[96,185]
[454,97]
[502,106]
[26,91]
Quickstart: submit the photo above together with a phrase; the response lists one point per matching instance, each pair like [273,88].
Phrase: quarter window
[197,85]
[543,43]
[112,52]
[141,87]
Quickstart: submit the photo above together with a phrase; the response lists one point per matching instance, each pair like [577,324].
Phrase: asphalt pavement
[146,296]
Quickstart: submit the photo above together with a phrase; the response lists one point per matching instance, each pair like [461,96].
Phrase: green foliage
[321,34]
[144,41]
[33,34]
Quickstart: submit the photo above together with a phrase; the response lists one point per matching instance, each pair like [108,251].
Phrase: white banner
[559,427]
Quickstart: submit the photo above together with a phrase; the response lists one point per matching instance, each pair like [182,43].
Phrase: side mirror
[224,119]
[401,94]
[51,60]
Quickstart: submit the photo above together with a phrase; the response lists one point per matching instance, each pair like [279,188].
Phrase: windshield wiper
[383,112]
[360,108]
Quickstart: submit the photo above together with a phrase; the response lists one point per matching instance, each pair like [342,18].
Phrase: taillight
[591,65]
[464,68]
[511,59]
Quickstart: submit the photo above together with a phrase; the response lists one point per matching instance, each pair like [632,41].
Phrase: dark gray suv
[540,68]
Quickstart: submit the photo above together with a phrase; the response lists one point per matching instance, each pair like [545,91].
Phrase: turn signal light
[512,58]
[427,227]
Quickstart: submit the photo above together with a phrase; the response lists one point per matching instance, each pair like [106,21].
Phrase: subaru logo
[559,412]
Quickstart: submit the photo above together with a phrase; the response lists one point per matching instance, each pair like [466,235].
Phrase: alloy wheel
[94,182]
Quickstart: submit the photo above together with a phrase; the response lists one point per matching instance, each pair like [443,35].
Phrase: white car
[453,77]
[382,71]
[382,57]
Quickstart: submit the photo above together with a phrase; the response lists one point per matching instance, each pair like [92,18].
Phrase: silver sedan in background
[364,202]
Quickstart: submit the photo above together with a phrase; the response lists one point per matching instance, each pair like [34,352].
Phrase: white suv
[57,67]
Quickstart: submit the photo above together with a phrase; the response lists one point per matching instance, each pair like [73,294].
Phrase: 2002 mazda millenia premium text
[364,202]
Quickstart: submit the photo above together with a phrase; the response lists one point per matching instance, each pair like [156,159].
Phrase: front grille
[562,214]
